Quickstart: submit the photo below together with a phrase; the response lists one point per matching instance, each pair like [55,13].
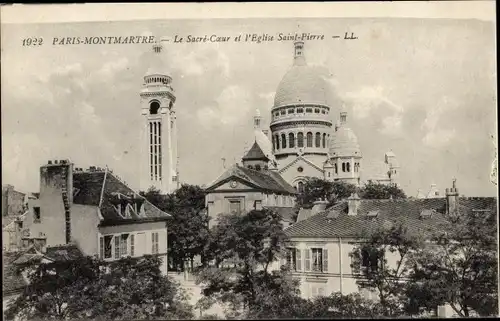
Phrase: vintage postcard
[249,160]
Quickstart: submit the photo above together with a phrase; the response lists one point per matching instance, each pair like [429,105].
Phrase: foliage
[188,230]
[242,248]
[131,288]
[369,259]
[373,190]
[461,267]
[316,188]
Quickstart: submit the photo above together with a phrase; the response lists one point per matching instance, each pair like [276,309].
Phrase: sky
[423,88]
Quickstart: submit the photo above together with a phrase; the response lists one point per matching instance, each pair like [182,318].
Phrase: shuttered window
[117,247]
[325,260]
[307,260]
[298,260]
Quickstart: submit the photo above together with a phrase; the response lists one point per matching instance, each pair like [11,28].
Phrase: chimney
[318,206]
[452,199]
[353,203]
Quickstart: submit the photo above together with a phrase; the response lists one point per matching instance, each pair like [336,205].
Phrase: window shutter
[298,260]
[325,260]
[153,237]
[132,245]
[117,246]
[101,247]
[307,260]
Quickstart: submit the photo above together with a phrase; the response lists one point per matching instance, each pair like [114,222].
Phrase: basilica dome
[302,84]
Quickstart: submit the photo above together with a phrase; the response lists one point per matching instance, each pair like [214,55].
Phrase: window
[274,143]
[124,245]
[132,245]
[316,110]
[300,140]
[235,206]
[291,140]
[335,168]
[316,260]
[36,214]
[371,259]
[309,139]
[283,112]
[19,225]
[348,167]
[283,141]
[300,169]
[258,205]
[257,167]
[277,142]
[318,140]
[324,140]
[300,110]
[108,245]
[153,108]
[154,242]
[290,111]
[309,110]
[101,247]
[250,166]
[343,167]
[293,260]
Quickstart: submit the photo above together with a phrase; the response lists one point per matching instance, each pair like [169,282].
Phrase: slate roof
[327,224]
[266,180]
[255,153]
[286,213]
[90,186]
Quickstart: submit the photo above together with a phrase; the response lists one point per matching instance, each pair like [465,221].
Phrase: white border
[52,13]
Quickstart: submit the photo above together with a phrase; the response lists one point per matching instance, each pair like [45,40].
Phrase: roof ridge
[103,184]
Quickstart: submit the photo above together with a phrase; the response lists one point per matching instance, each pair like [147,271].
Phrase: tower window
[309,110]
[318,140]
[300,110]
[300,140]
[309,139]
[291,140]
[250,166]
[290,111]
[316,110]
[348,166]
[283,112]
[335,168]
[283,140]
[343,167]
[257,167]
[324,140]
[153,108]
[277,142]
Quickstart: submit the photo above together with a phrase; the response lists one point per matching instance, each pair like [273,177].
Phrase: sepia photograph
[222,161]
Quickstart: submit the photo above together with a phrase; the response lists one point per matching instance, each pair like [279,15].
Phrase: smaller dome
[344,143]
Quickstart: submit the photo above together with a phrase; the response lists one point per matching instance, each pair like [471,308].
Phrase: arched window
[348,166]
[318,140]
[153,108]
[283,141]
[300,140]
[250,166]
[324,140]
[291,140]
[300,187]
[277,141]
[257,167]
[274,143]
[343,167]
[335,168]
[309,139]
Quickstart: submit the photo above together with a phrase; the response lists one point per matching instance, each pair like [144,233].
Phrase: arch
[154,106]
[291,140]
[283,141]
[277,141]
[309,139]
[324,140]
[300,139]
[300,187]
[318,140]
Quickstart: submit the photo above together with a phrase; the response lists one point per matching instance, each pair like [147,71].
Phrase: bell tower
[159,131]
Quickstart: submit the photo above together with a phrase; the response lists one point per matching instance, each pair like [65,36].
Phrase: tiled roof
[65,252]
[91,185]
[267,180]
[405,211]
[255,153]
[286,213]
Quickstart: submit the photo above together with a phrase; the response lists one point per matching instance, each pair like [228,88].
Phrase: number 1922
[32,42]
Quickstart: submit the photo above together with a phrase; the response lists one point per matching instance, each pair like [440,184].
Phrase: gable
[291,171]
[234,183]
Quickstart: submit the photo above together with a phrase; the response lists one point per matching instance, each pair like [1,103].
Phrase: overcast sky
[425,88]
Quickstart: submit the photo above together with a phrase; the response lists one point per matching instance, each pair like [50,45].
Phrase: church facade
[303,138]
[159,132]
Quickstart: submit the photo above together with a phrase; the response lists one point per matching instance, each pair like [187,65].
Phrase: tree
[460,268]
[131,288]
[242,248]
[188,230]
[316,188]
[369,260]
[380,191]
